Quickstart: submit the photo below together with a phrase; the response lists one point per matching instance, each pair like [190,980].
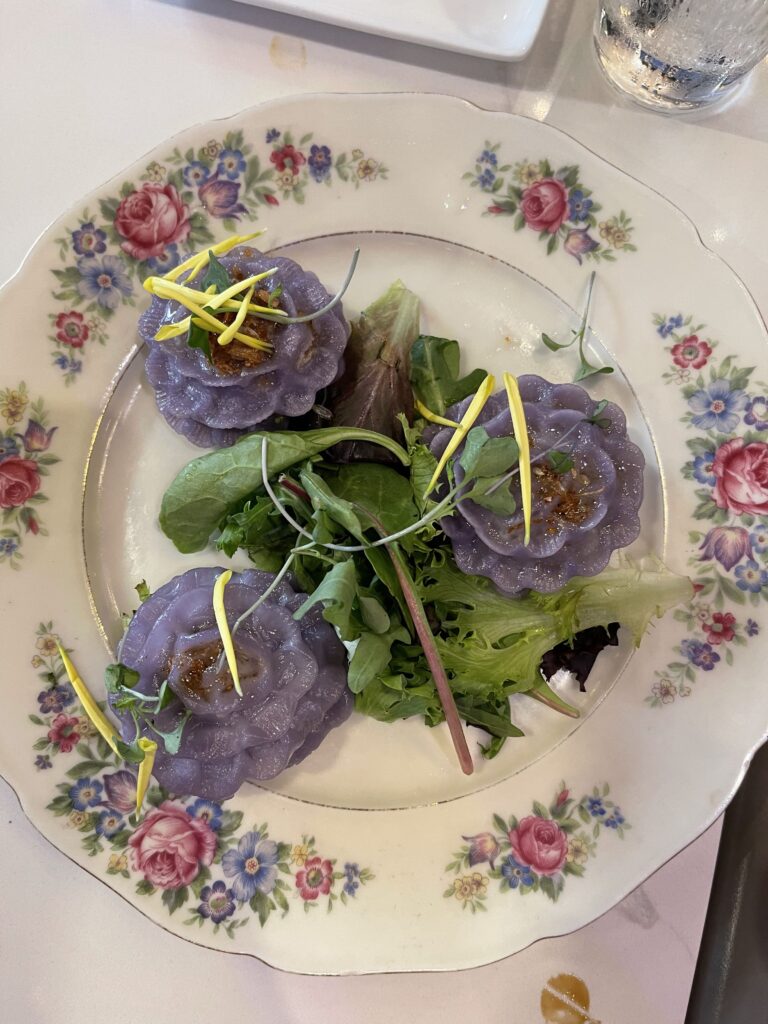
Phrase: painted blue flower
[43,761]
[85,793]
[104,279]
[579,205]
[167,260]
[752,628]
[517,874]
[488,157]
[55,700]
[207,811]
[717,407]
[702,469]
[319,162]
[596,807]
[351,879]
[486,179]
[68,363]
[8,545]
[757,413]
[670,325]
[616,819]
[751,577]
[272,134]
[8,446]
[700,654]
[251,866]
[88,240]
[108,823]
[196,173]
[216,902]
[759,540]
[231,163]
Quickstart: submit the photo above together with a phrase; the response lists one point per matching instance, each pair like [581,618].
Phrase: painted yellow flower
[368,169]
[46,644]
[155,171]
[211,149]
[78,818]
[479,884]
[299,855]
[84,728]
[118,862]
[13,402]
[286,181]
[463,888]
[357,154]
[527,173]
[37,661]
[613,233]
[579,849]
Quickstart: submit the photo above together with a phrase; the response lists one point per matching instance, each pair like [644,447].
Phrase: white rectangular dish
[497,29]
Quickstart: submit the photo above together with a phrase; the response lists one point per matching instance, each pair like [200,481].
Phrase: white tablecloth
[89,85]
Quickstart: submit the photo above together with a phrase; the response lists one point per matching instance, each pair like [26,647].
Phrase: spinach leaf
[435,373]
[211,486]
[377,489]
[216,275]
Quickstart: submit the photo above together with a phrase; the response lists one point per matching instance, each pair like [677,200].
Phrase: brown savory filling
[235,357]
[192,671]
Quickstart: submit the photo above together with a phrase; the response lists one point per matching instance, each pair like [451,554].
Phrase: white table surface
[87,86]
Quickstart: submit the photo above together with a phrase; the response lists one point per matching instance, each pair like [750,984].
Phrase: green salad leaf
[435,373]
[211,486]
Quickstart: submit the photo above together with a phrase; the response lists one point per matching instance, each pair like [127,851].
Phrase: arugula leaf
[325,500]
[372,656]
[435,373]
[337,593]
[597,418]
[213,485]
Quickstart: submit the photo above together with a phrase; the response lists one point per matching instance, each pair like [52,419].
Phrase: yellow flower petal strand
[173,330]
[238,287]
[520,427]
[202,257]
[86,698]
[433,416]
[226,336]
[145,769]
[474,409]
[221,621]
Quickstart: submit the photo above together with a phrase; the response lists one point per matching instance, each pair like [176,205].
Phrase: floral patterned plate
[376,854]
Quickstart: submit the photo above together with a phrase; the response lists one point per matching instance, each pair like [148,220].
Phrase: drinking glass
[680,54]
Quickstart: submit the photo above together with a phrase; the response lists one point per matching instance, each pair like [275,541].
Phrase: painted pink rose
[150,219]
[169,846]
[19,481]
[545,205]
[741,477]
[539,843]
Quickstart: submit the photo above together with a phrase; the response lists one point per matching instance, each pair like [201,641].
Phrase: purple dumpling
[214,404]
[579,517]
[293,676]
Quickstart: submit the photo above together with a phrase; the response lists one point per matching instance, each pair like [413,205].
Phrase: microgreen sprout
[585,369]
